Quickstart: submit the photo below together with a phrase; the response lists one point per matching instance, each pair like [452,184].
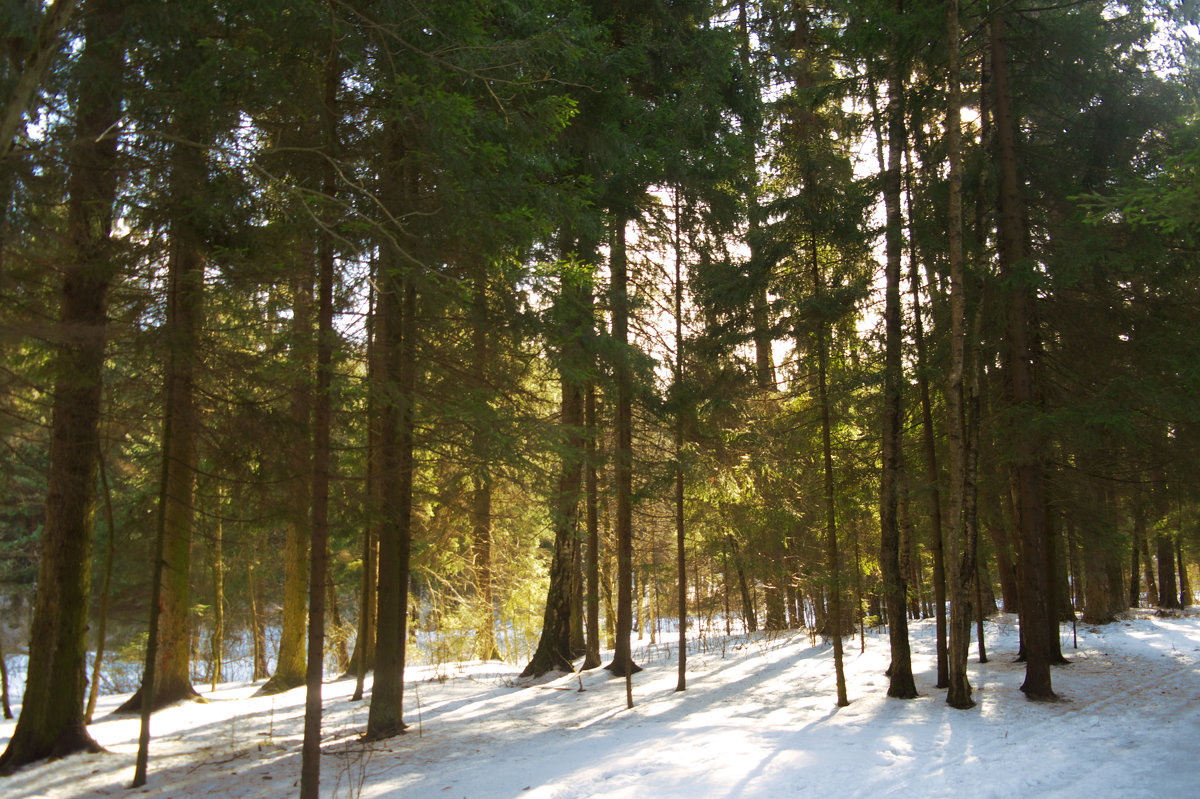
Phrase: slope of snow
[758,719]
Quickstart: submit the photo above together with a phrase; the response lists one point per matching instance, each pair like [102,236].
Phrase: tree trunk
[290,662]
[254,584]
[932,475]
[901,683]
[363,659]
[1096,586]
[680,538]
[960,542]
[831,546]
[909,565]
[748,613]
[1135,550]
[1148,571]
[481,500]
[1004,565]
[556,648]
[397,382]
[622,663]
[320,584]
[591,658]
[217,641]
[51,719]
[171,679]
[105,595]
[1185,584]
[1168,594]
[8,714]
[1035,589]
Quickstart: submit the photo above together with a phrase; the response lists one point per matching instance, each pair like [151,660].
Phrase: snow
[758,719]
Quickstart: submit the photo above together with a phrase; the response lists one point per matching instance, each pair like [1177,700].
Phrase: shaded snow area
[758,719]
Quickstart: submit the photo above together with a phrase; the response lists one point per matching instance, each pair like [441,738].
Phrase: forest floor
[758,719]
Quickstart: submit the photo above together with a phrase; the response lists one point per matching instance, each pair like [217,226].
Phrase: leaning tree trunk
[51,719]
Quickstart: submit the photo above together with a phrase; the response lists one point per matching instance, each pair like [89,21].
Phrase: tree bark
[363,659]
[290,660]
[554,650]
[481,499]
[217,640]
[51,720]
[397,381]
[1035,597]
[901,683]
[556,646]
[1185,584]
[1168,593]
[961,539]
[319,582]
[1135,550]
[680,538]
[8,714]
[105,595]
[257,624]
[932,473]
[831,545]
[622,663]
[591,658]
